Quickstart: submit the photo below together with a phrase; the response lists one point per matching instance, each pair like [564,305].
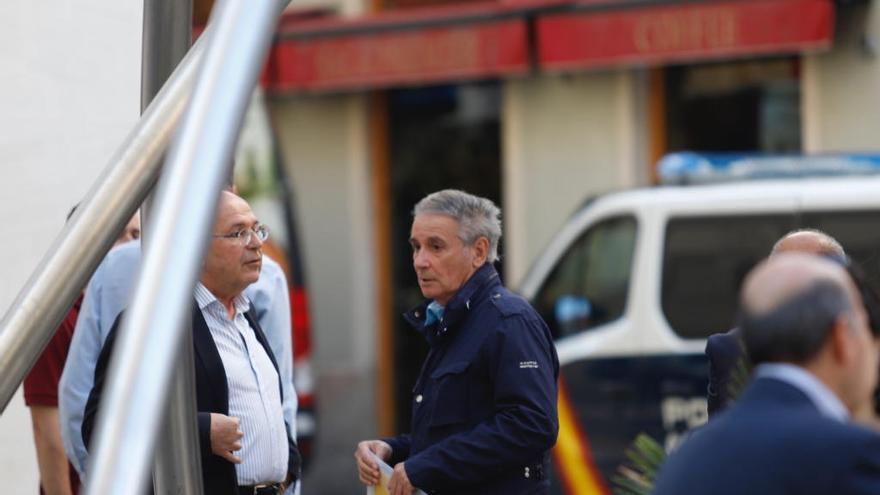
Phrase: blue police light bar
[705,168]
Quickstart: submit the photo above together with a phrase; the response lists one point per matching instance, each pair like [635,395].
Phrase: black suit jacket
[725,351]
[774,441]
[212,396]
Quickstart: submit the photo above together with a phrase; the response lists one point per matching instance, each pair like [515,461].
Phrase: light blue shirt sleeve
[271,301]
[75,384]
[105,297]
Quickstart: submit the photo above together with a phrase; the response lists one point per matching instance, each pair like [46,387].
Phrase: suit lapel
[251,317]
[208,356]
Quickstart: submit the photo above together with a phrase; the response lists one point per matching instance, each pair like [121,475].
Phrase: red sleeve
[41,384]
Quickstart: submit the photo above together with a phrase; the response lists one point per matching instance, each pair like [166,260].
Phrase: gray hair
[477,217]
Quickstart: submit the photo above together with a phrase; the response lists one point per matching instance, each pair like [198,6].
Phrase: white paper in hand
[385,472]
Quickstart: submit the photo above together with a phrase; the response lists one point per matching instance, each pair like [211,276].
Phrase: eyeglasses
[245,236]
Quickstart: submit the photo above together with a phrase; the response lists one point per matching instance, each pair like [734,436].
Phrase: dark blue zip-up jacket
[484,406]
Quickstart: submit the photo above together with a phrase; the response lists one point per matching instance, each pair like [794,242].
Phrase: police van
[636,280]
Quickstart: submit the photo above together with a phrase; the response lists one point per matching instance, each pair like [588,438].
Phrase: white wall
[565,137]
[69,92]
[841,88]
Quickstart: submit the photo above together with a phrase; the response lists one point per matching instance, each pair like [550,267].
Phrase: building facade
[538,105]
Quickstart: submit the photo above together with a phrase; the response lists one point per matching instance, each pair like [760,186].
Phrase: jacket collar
[206,352]
[470,293]
[820,395]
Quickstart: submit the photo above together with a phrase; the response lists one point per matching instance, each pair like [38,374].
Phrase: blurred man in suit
[724,350]
[804,325]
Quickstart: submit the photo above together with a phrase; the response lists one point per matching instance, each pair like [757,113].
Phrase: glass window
[857,231]
[743,105]
[704,262]
[589,285]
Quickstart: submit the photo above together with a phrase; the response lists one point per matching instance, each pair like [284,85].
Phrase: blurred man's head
[234,257]
[805,310]
[131,231]
[811,241]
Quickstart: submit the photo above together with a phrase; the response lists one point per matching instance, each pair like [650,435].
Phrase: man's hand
[368,470]
[225,437]
[399,483]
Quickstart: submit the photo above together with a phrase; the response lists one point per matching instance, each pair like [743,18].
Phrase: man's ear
[481,251]
[840,340]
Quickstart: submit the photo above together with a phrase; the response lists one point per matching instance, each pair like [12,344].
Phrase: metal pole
[177,462]
[177,468]
[167,36]
[31,320]
[198,162]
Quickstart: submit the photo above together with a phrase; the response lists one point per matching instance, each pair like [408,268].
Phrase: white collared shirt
[254,394]
[824,399]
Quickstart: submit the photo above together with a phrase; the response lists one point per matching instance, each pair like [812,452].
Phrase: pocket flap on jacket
[451,369]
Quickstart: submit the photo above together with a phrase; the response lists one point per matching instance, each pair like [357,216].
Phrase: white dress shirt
[254,392]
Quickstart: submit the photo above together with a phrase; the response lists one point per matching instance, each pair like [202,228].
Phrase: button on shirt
[254,394]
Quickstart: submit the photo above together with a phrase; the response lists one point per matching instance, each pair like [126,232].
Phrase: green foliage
[637,475]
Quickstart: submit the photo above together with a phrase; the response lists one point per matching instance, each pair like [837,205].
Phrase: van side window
[704,262]
[589,285]
[857,231]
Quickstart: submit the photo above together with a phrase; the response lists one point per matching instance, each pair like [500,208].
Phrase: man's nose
[254,241]
[419,259]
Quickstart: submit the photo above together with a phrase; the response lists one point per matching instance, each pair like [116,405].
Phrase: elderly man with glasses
[244,441]
[107,295]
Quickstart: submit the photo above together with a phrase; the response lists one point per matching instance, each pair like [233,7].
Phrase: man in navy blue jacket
[484,406]
[804,325]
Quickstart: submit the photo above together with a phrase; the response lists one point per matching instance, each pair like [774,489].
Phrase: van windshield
[589,284]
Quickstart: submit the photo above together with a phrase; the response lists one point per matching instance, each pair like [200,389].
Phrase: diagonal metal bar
[167,35]
[198,162]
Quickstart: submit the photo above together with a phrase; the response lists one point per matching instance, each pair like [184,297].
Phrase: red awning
[510,37]
[587,38]
[413,47]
